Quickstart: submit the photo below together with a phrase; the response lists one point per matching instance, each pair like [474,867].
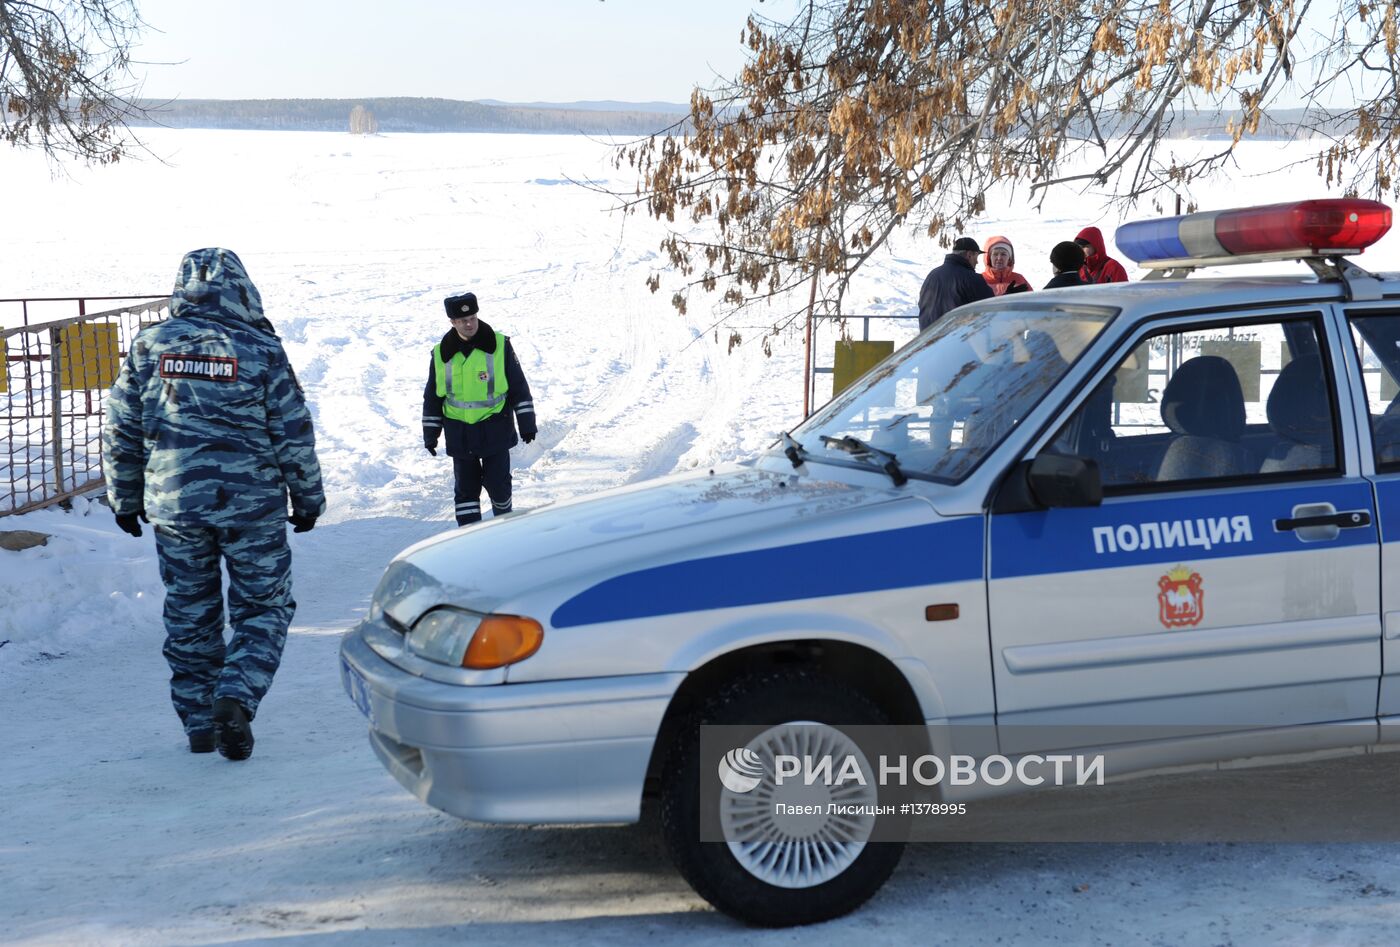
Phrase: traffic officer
[478,394]
[207,435]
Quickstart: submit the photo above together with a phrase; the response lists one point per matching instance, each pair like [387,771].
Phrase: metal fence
[54,377]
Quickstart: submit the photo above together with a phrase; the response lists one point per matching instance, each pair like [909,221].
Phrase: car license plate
[356,687]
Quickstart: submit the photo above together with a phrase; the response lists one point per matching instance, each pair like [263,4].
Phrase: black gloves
[527,438]
[128,522]
[430,443]
[302,524]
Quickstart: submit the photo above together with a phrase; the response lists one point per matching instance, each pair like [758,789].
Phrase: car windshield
[947,399]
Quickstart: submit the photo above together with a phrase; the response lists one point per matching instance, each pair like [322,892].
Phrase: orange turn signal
[503,639]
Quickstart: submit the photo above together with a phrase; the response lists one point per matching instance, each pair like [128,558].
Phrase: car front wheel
[769,869]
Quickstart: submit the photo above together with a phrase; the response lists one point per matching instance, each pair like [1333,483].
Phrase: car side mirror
[1058,480]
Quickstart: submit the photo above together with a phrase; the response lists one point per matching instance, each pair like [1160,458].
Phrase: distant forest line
[450,115]
[399,115]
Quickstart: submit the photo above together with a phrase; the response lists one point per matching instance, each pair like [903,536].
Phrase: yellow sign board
[4,368]
[88,356]
[1389,389]
[854,359]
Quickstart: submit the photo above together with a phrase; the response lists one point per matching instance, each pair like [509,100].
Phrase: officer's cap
[459,306]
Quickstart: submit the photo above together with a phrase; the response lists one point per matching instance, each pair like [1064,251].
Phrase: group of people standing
[1079,262]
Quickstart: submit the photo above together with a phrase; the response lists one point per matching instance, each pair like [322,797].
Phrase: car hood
[528,562]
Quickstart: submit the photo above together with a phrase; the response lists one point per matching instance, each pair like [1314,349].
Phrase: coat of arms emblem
[1180,599]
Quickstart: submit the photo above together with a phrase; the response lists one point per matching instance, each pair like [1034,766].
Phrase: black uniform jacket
[948,287]
[1067,278]
[490,435]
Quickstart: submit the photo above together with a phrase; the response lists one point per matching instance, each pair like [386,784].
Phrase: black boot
[232,730]
[201,741]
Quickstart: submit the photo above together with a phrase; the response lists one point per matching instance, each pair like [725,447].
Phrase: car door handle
[1347,519]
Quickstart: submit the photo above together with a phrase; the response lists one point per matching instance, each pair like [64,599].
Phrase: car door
[1228,580]
[1375,336]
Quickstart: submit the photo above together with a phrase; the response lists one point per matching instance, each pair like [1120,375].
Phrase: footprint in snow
[314,372]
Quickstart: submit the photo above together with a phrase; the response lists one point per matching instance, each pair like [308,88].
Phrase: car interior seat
[1203,406]
[1300,415]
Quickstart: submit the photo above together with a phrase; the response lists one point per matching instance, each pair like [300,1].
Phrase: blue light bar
[1151,239]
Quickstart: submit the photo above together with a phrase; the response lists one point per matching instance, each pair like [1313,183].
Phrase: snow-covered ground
[110,832]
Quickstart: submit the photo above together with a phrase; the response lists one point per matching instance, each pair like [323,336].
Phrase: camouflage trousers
[260,606]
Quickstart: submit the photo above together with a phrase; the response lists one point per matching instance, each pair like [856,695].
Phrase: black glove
[527,438]
[431,444]
[128,522]
[302,524]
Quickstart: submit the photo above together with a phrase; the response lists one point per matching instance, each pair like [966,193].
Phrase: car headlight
[480,642]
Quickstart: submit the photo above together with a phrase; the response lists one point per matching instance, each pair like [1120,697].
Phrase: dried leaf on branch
[861,118]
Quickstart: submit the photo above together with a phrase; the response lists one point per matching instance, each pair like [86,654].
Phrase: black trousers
[474,472]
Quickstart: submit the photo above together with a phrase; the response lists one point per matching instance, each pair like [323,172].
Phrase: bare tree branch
[66,85]
[861,119]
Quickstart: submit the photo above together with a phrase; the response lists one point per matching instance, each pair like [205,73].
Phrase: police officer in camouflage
[206,436]
[477,394]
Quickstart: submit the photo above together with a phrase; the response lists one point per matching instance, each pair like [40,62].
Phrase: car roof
[1151,297]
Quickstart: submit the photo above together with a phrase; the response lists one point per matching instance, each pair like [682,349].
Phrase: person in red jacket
[1000,273]
[1098,266]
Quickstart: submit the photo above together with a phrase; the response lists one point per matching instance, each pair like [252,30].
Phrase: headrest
[1204,399]
[1299,406]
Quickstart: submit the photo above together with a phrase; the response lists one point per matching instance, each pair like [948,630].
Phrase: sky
[520,51]
[515,51]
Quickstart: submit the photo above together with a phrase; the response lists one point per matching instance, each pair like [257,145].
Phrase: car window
[945,401]
[1207,404]
[1377,340]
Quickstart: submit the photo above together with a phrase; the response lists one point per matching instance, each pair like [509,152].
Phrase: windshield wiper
[858,448]
[793,450]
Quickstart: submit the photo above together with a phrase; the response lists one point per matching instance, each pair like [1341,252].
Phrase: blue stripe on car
[1023,544]
[1388,499]
[846,565]
[1020,546]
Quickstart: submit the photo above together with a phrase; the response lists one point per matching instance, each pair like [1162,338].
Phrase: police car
[1157,505]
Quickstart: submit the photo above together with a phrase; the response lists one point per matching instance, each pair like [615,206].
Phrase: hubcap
[808,846]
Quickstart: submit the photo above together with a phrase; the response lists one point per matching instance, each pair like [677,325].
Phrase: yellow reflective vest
[472,387]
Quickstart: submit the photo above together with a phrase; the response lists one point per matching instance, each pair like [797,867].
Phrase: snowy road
[111,833]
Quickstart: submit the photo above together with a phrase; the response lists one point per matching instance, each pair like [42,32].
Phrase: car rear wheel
[768,871]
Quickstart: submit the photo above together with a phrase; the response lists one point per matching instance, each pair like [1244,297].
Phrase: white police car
[1158,504]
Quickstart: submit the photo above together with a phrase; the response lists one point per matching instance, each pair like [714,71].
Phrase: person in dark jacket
[477,394]
[953,284]
[1098,266]
[1065,259]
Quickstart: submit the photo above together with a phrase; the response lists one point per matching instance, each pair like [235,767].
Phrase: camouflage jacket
[206,424]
